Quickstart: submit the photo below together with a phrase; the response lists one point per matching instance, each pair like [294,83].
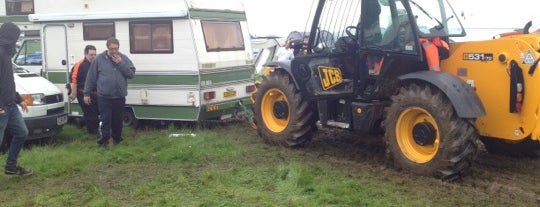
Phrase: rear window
[222,36]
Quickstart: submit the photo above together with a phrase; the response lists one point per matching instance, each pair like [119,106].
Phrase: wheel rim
[274,110]
[422,145]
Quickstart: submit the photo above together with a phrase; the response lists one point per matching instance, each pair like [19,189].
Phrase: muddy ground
[501,179]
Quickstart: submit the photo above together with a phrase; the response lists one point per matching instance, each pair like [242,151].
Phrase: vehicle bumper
[45,126]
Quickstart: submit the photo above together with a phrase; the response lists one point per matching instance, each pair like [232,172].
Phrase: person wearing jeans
[11,120]
[108,74]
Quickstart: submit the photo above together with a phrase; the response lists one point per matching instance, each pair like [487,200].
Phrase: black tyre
[130,120]
[425,136]
[280,113]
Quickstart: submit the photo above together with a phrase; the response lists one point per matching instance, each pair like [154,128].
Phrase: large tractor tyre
[280,113]
[425,136]
[525,148]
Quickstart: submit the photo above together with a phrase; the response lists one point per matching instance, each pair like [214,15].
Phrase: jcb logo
[330,77]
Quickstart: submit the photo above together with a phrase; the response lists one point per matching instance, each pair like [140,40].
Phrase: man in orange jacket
[77,80]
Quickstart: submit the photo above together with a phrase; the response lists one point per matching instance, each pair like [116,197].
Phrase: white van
[46,116]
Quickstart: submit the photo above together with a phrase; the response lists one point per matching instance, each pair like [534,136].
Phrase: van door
[55,57]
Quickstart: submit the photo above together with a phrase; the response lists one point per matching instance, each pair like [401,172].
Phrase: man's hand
[87,100]
[24,106]
[117,59]
[73,95]
[2,110]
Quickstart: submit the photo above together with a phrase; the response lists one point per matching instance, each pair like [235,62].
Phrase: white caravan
[193,58]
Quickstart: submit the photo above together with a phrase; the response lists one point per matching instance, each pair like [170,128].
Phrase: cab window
[388,27]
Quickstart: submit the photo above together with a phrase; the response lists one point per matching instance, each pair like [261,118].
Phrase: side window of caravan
[222,36]
[151,37]
[19,7]
[98,30]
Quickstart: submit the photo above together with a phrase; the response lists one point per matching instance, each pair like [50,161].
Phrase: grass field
[231,166]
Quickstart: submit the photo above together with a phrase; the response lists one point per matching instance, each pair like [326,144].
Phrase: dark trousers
[90,112]
[111,114]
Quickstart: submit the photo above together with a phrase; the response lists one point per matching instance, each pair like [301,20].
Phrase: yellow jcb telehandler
[370,66]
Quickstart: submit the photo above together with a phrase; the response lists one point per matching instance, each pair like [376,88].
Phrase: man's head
[90,52]
[112,46]
[9,34]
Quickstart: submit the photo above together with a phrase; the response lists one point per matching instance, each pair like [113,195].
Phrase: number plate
[61,120]
[229,94]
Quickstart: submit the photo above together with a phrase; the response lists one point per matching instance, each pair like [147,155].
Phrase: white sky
[279,17]
[497,14]
[276,17]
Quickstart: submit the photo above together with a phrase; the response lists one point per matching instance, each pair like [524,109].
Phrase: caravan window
[19,7]
[98,30]
[222,36]
[151,37]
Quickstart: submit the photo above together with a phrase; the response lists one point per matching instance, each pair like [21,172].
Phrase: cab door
[327,67]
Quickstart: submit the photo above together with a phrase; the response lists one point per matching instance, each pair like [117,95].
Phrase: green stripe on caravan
[166,112]
[214,76]
[22,18]
[217,14]
[60,77]
[224,76]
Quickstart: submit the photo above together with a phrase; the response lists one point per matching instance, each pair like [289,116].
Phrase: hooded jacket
[9,34]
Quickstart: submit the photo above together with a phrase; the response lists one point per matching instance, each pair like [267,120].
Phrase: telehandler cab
[365,68]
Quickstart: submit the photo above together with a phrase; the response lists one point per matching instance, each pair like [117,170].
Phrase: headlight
[33,99]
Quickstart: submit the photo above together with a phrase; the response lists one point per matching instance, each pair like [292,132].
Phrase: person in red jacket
[77,80]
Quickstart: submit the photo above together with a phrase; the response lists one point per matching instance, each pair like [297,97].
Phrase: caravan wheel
[129,119]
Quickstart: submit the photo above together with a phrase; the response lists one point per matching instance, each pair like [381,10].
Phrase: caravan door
[55,57]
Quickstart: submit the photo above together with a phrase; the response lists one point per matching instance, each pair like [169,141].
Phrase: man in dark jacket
[11,119]
[108,74]
[77,81]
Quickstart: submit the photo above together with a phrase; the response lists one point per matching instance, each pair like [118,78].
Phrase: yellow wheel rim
[414,151]
[270,99]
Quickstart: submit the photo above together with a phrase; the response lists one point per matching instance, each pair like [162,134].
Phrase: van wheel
[130,120]
[425,136]
[77,121]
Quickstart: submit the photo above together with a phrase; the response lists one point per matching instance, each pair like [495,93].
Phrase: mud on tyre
[425,136]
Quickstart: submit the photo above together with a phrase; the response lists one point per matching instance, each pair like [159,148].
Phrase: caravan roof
[127,9]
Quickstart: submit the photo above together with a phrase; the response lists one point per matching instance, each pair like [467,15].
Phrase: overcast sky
[279,17]
[276,17]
